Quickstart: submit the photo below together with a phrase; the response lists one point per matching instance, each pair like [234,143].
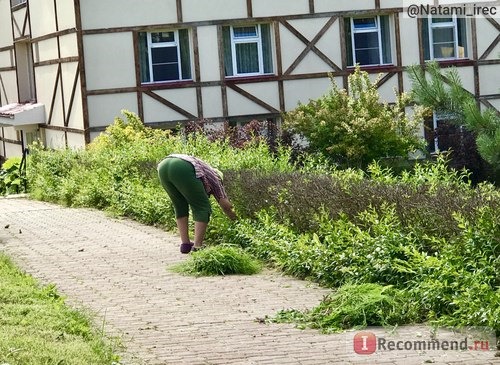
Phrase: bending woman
[189,182]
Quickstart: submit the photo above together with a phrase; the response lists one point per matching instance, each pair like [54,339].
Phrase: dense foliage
[422,246]
[443,92]
[11,177]
[352,127]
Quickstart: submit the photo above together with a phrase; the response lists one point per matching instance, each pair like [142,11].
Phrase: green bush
[443,92]
[11,179]
[353,127]
[427,236]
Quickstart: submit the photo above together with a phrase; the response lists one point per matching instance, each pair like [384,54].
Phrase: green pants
[179,180]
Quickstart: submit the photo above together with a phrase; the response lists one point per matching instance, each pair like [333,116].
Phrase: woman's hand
[227,208]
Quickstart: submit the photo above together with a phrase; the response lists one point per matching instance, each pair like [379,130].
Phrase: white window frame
[377,29]
[452,24]
[175,44]
[249,39]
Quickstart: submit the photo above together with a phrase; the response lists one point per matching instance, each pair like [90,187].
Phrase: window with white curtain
[368,40]
[247,50]
[164,56]
[444,38]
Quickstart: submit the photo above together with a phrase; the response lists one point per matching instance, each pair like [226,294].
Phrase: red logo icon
[365,343]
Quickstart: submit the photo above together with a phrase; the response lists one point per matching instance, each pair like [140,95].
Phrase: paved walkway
[118,269]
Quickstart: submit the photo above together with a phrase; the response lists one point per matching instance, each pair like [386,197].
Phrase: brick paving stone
[117,268]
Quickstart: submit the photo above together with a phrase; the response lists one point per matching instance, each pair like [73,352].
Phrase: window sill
[379,68]
[256,78]
[453,62]
[166,84]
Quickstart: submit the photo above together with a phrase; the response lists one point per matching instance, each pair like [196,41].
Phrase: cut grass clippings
[37,327]
[218,260]
[353,306]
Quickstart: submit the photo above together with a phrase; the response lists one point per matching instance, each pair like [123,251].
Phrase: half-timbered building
[68,67]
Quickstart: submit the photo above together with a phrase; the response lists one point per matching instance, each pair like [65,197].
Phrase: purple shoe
[186,247]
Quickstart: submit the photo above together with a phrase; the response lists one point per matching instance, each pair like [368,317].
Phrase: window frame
[173,44]
[443,25]
[381,45]
[263,61]
[453,24]
[176,43]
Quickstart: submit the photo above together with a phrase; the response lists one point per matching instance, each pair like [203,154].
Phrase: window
[165,56]
[247,50]
[444,38]
[442,134]
[368,40]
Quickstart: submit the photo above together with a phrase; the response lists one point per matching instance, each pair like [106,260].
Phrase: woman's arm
[227,208]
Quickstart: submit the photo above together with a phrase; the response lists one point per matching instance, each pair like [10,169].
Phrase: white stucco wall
[157,112]
[123,13]
[208,51]
[196,10]
[265,91]
[5,21]
[54,139]
[109,60]
[69,70]
[486,35]
[43,23]
[409,41]
[292,47]
[212,102]
[263,8]
[103,109]
[45,50]
[18,16]
[68,45]
[342,5]
[304,90]
[76,140]
[45,76]
[489,79]
[9,89]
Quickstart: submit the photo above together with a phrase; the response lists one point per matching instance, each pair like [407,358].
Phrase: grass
[218,260]
[37,327]
[352,306]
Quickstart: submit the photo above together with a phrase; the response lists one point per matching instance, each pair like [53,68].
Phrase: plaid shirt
[207,175]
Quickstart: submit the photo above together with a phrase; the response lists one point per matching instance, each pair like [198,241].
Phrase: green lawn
[37,327]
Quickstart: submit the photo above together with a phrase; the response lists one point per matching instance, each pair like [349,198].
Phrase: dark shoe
[194,249]
[186,247]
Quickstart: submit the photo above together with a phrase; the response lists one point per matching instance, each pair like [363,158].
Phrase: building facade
[68,67]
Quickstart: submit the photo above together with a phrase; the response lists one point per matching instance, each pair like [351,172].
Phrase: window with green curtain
[144,57]
[267,48]
[185,55]
[228,55]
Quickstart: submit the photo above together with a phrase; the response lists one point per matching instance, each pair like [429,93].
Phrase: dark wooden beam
[252,98]
[310,46]
[169,104]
